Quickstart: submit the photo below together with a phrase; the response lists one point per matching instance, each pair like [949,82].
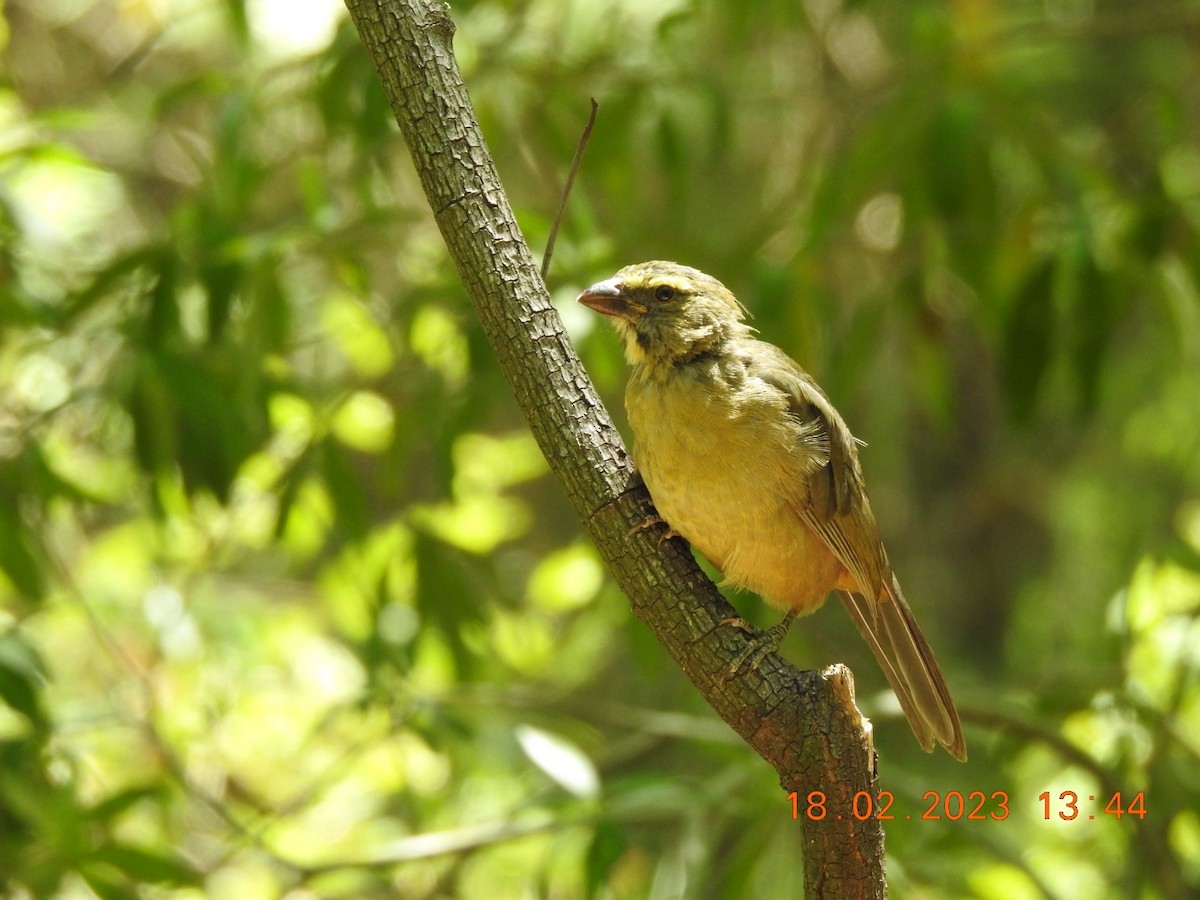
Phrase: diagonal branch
[804,724]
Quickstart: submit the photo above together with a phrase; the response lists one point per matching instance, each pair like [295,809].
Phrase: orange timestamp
[1068,805]
[975,806]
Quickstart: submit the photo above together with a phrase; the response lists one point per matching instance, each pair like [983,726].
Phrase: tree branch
[804,724]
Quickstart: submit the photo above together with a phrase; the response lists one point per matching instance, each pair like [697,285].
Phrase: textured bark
[803,723]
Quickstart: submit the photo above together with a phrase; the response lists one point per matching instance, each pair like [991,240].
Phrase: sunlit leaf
[560,759]
[566,579]
[364,421]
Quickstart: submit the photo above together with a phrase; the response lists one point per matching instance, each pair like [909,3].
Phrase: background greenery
[288,604]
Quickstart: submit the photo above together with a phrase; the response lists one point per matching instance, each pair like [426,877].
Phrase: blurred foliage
[289,605]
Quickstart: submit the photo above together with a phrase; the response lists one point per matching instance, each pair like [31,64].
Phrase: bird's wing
[835,507]
[834,504]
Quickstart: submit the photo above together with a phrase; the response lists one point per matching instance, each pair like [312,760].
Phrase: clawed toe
[643,524]
[650,522]
[740,623]
[759,646]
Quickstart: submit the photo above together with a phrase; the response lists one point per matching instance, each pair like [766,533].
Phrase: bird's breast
[727,467]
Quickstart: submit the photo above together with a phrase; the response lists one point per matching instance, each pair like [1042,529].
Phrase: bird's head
[667,314]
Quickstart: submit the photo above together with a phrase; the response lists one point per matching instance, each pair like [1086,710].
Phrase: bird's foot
[762,643]
[650,522]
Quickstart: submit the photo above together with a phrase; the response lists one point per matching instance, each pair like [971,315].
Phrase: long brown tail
[895,638]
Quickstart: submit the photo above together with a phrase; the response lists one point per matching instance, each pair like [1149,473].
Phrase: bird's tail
[895,638]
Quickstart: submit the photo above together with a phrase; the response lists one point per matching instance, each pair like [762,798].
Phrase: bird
[746,458]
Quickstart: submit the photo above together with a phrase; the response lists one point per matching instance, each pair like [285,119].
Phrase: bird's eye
[663,293]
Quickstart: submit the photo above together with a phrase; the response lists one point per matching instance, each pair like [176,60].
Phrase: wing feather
[834,505]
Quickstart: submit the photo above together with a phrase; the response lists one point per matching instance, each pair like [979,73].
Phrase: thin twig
[562,204]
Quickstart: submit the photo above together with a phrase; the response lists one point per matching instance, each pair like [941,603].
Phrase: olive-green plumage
[747,459]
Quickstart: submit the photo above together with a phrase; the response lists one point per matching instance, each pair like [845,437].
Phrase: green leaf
[607,846]
[1095,313]
[117,804]
[344,489]
[106,885]
[448,592]
[150,262]
[145,865]
[1028,339]
[960,182]
[21,676]
[202,410]
[20,557]
[162,319]
[220,283]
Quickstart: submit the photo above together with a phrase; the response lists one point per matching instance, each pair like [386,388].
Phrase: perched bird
[745,457]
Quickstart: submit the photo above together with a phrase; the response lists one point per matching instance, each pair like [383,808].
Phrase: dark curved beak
[607,297]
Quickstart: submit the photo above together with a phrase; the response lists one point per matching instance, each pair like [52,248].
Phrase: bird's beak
[607,297]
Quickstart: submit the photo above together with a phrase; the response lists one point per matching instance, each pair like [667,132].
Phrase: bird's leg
[761,644]
[650,522]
